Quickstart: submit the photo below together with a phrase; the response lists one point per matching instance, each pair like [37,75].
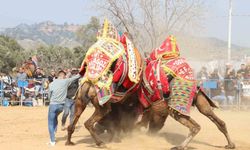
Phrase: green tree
[54,57]
[11,54]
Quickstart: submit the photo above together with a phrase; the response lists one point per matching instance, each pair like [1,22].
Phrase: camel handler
[57,96]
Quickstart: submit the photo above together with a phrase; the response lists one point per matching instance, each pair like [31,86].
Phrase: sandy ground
[25,128]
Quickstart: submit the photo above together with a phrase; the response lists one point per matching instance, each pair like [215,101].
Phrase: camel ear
[212,104]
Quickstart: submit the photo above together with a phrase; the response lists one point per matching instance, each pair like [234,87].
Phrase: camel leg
[79,108]
[205,108]
[144,120]
[156,123]
[158,116]
[194,128]
[100,112]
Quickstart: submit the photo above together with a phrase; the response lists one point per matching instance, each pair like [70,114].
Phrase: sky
[14,12]
[216,23]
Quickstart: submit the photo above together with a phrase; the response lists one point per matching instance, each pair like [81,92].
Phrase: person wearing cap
[57,96]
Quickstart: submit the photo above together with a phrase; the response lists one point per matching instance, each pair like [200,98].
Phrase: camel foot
[101,144]
[69,143]
[178,148]
[230,146]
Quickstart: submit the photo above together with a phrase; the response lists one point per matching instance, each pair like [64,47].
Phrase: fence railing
[29,92]
[226,93]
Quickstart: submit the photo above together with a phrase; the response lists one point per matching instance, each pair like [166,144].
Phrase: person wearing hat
[57,96]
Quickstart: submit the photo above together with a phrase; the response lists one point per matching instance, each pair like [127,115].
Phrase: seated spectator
[217,94]
[220,97]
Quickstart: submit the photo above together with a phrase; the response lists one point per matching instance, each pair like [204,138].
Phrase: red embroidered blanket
[155,83]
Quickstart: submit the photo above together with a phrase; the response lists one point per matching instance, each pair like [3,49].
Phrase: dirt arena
[25,128]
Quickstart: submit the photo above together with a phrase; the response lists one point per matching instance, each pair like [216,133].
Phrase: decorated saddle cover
[100,57]
[168,50]
[164,62]
[183,86]
[181,89]
[134,59]
[106,52]
[153,77]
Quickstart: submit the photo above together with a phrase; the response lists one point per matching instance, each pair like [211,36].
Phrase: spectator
[57,95]
[203,75]
[242,71]
[247,74]
[218,93]
[69,106]
[20,77]
[38,77]
[68,73]
[230,84]
[52,76]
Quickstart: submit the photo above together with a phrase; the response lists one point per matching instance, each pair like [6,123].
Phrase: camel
[169,88]
[157,114]
[114,121]
[112,74]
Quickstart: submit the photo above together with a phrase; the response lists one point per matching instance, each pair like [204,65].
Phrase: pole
[229,30]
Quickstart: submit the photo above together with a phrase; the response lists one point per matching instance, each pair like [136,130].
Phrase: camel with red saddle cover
[169,88]
[111,72]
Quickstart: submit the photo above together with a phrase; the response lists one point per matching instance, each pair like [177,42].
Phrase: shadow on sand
[177,139]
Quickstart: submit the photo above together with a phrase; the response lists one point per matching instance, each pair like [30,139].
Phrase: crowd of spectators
[227,87]
[32,90]
[223,86]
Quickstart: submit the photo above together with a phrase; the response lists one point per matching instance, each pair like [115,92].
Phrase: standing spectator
[68,73]
[69,106]
[52,76]
[38,77]
[229,83]
[57,95]
[247,74]
[21,77]
[242,71]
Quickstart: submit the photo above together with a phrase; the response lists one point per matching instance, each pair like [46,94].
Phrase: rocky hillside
[44,33]
[49,33]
